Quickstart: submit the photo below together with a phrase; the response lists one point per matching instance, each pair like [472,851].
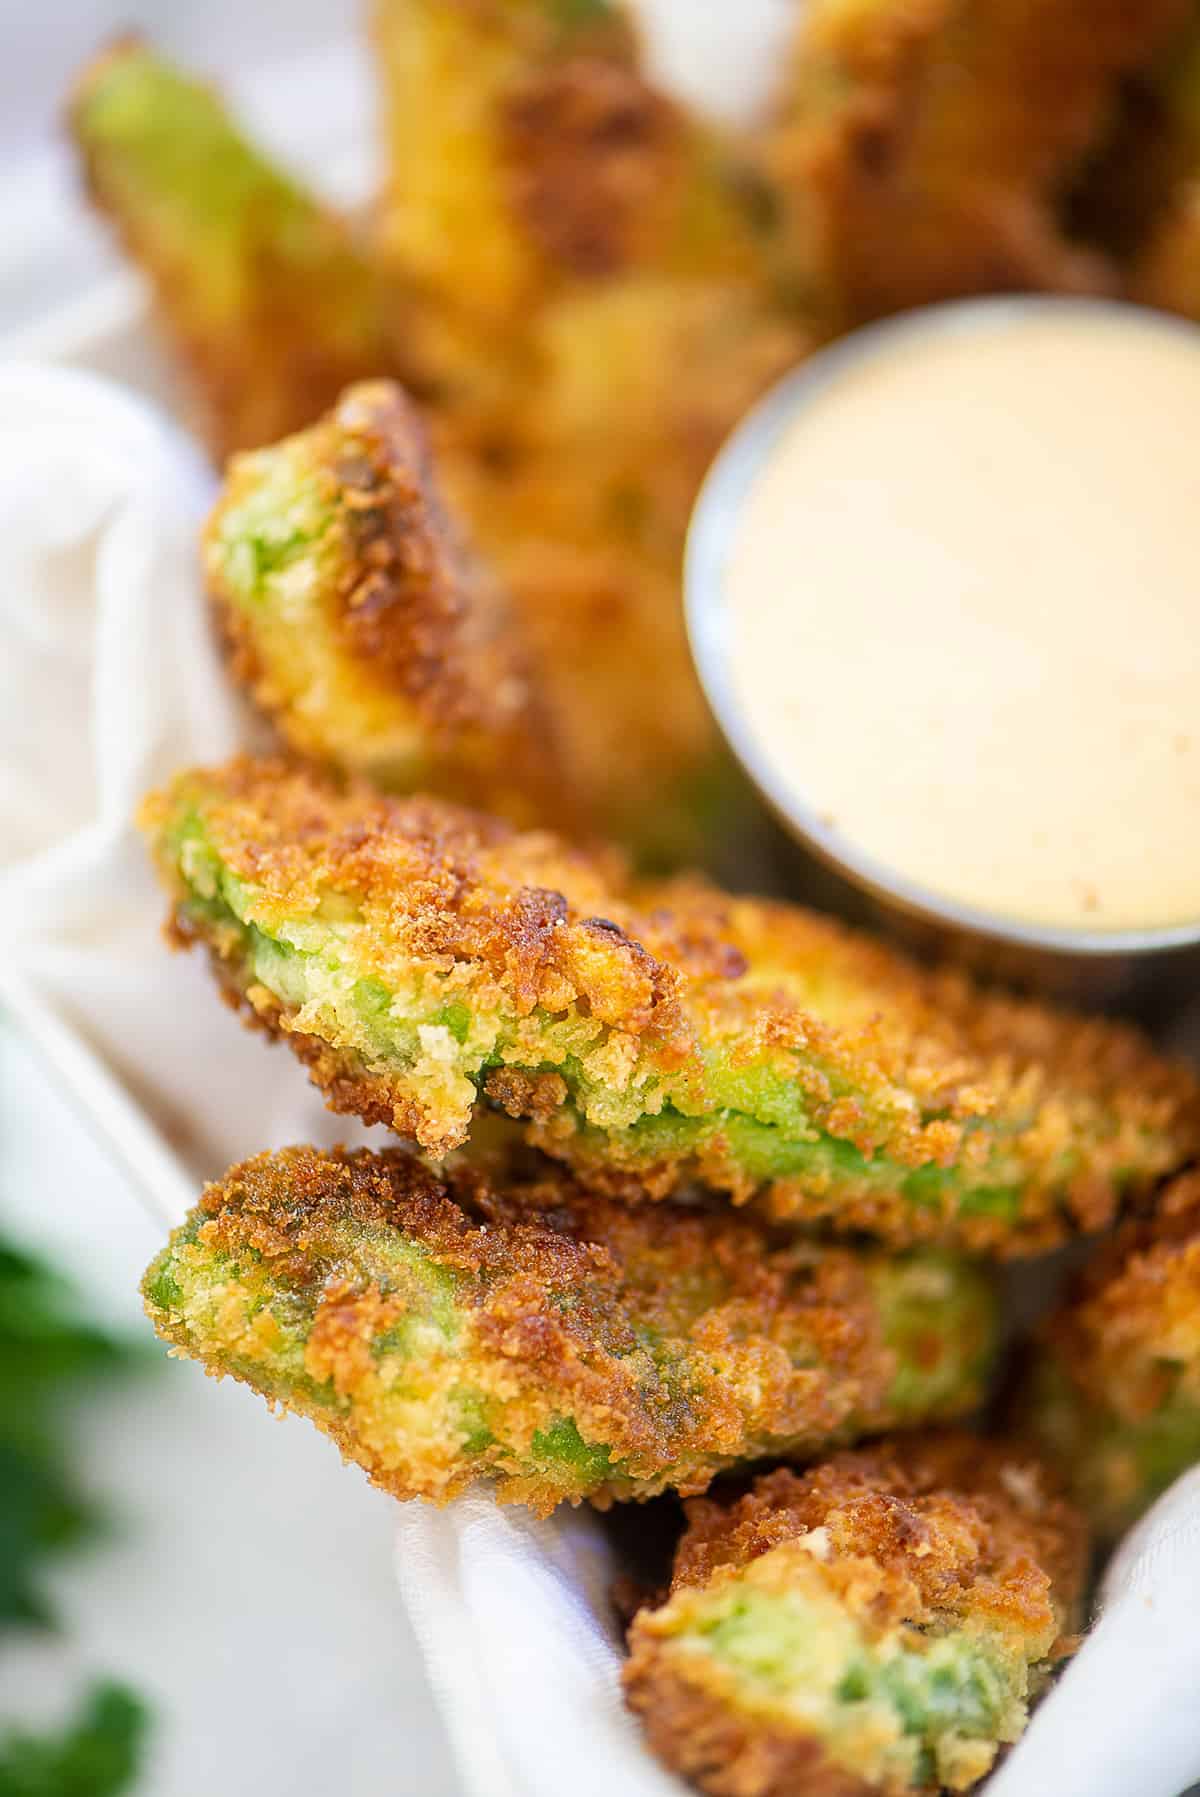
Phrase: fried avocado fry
[456,84]
[569,226]
[361,625]
[498,1326]
[423,960]
[528,151]
[1016,93]
[272,304]
[378,643]
[1114,1391]
[1167,271]
[844,104]
[878,1624]
[561,215]
[943,138]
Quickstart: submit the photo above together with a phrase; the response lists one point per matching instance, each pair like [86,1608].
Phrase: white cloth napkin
[109,680]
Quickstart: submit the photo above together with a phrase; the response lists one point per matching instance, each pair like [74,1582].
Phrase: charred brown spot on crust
[408,584]
[589,147]
[538,1096]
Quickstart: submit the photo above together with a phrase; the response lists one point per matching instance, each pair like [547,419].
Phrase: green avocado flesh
[419,1381]
[912,1700]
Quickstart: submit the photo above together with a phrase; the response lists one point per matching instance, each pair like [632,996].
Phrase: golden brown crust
[420,623]
[412,599]
[932,1534]
[674,1342]
[953,1523]
[1134,1316]
[526,1221]
[592,150]
[677,982]
[940,167]
[723,1750]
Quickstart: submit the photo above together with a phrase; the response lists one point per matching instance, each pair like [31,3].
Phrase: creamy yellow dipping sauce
[964,616]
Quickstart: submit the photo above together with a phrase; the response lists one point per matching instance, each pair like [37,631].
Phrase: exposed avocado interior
[905,1704]
[759,1115]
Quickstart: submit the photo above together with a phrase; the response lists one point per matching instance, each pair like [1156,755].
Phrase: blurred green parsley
[97,1755]
[51,1358]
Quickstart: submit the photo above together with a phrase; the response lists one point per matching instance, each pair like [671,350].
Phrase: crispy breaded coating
[379,642]
[643,380]
[640,754]
[877,1624]
[568,225]
[499,1326]
[424,960]
[456,73]
[361,624]
[1166,272]
[940,139]
[1113,1394]
[269,299]
[528,151]
[843,105]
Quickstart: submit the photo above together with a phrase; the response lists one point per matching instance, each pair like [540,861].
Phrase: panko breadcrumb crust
[673,1342]
[424,641]
[724,1751]
[1113,1392]
[938,1531]
[681,1002]
[925,147]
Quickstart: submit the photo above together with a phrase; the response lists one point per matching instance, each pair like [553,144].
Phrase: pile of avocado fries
[688,1191]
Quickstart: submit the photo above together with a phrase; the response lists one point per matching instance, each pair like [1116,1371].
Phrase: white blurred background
[43,44]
